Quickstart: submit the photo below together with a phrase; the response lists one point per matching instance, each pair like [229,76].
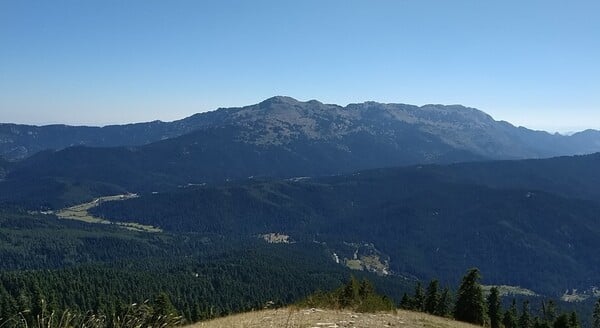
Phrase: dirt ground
[316,318]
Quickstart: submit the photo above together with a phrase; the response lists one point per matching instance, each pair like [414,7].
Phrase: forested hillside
[57,265]
[279,137]
[428,220]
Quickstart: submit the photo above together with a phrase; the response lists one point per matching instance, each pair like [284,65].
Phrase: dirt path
[315,318]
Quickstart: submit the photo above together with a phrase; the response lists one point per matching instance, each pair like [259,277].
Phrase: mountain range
[279,137]
[283,120]
[395,189]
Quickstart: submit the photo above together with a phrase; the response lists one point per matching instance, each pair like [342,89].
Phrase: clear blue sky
[534,63]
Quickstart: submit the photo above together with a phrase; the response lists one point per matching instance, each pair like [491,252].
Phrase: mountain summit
[279,137]
[280,120]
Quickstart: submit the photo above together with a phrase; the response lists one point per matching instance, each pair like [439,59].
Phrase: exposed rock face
[284,120]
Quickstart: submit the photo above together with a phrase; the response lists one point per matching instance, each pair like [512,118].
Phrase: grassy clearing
[81,213]
[511,290]
[309,318]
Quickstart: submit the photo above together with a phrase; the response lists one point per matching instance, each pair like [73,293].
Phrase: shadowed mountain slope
[281,120]
[280,137]
[430,220]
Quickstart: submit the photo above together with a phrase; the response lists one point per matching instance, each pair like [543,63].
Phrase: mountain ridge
[279,137]
[457,125]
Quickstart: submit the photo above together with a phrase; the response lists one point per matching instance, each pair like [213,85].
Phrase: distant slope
[291,317]
[283,120]
[280,137]
[19,141]
[429,220]
[4,167]
[570,176]
[41,241]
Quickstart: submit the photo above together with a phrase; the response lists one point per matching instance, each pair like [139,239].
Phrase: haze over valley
[341,163]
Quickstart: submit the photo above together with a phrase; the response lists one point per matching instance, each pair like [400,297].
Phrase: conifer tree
[163,307]
[596,315]
[494,308]
[470,304]
[443,309]
[525,318]
[419,298]
[351,293]
[549,311]
[406,302]
[366,288]
[574,321]
[510,316]
[540,323]
[562,321]
[432,297]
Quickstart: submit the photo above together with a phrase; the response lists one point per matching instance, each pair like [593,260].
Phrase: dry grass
[80,213]
[315,318]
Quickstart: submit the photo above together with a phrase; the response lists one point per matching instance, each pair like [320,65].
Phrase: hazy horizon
[552,129]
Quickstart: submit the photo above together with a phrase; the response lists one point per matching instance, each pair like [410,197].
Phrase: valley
[299,164]
[227,210]
[81,213]
[279,137]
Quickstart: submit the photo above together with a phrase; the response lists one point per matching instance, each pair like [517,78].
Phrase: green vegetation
[40,241]
[494,308]
[596,315]
[432,298]
[81,212]
[414,219]
[509,320]
[355,295]
[430,301]
[55,268]
[132,316]
[471,306]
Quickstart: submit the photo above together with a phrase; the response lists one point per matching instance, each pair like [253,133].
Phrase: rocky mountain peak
[278,100]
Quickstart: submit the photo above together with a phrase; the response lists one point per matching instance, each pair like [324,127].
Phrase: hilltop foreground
[308,318]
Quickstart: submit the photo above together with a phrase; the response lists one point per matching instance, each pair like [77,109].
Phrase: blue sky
[533,63]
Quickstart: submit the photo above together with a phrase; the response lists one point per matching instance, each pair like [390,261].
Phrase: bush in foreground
[355,295]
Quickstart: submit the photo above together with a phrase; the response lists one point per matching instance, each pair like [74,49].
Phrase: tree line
[473,306]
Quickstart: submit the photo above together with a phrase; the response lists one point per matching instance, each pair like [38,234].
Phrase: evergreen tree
[406,302]
[7,304]
[525,318]
[444,307]
[360,297]
[470,304]
[38,303]
[549,311]
[510,316]
[596,315]
[163,307]
[574,321]
[366,288]
[562,321]
[540,323]
[494,308]
[419,298]
[350,293]
[432,297]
